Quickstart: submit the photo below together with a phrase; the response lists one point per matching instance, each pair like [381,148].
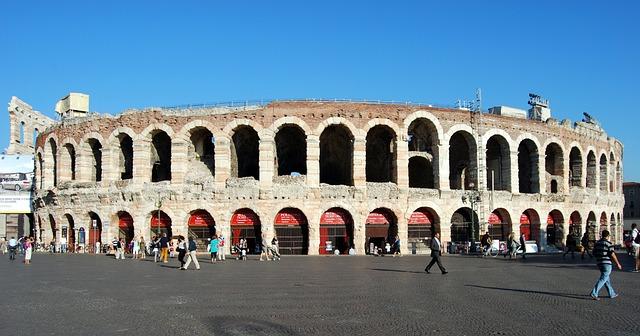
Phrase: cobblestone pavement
[97,295]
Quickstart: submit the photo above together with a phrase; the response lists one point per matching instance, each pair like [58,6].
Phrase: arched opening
[575,225]
[161,223]
[336,231]
[464,227]
[422,225]
[555,228]
[201,152]
[246,224]
[554,167]
[603,224]
[40,171]
[381,155]
[35,136]
[292,230]
[612,169]
[54,228]
[201,228]
[499,224]
[125,156]
[498,164]
[592,168]
[462,161]
[96,160]
[528,178]
[21,138]
[530,225]
[423,142]
[592,229]
[160,156]
[336,156]
[381,227]
[603,173]
[69,233]
[618,178]
[575,167]
[68,163]
[245,153]
[54,160]
[95,231]
[291,151]
[125,226]
[420,173]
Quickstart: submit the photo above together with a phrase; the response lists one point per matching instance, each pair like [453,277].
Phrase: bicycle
[13,250]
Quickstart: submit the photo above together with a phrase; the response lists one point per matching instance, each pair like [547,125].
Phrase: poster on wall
[16,183]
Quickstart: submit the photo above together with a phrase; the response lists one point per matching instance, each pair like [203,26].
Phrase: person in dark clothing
[485,241]
[436,252]
[182,251]
[571,245]
[523,246]
[585,246]
[164,248]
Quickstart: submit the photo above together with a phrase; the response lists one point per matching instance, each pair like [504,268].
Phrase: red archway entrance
[161,223]
[336,231]
[95,231]
[575,224]
[555,228]
[530,225]
[499,225]
[246,224]
[422,225]
[292,230]
[381,227]
[201,228]
[125,226]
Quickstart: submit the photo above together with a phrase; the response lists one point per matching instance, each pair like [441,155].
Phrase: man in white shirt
[63,244]
[635,245]
[13,247]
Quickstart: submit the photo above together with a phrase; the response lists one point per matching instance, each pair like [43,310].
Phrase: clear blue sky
[582,55]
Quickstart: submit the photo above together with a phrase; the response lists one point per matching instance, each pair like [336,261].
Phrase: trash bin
[414,248]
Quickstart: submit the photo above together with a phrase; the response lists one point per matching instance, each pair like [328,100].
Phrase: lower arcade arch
[575,224]
[530,225]
[555,228]
[499,224]
[125,226]
[292,230]
[201,228]
[95,231]
[464,226]
[69,233]
[246,226]
[160,224]
[336,231]
[381,228]
[422,225]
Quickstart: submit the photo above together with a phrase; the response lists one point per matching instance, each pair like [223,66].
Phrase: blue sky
[582,55]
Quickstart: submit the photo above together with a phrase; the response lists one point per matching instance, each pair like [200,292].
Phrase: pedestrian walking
[264,248]
[13,248]
[585,246]
[164,248]
[604,253]
[571,245]
[28,250]
[182,250]
[193,254]
[214,245]
[143,248]
[3,245]
[221,247]
[275,248]
[436,253]
[243,249]
[523,245]
[155,248]
[512,245]
[396,247]
[63,244]
[485,241]
[635,245]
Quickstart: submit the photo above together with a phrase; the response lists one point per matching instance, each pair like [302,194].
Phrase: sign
[125,221]
[245,217]
[524,219]
[380,218]
[334,216]
[421,217]
[494,219]
[163,222]
[201,219]
[16,183]
[550,220]
[290,217]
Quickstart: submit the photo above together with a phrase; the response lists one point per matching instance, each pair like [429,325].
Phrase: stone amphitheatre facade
[325,176]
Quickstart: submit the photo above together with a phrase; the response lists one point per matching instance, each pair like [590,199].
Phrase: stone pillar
[402,165]
[542,239]
[359,161]
[222,154]
[266,157]
[566,183]
[359,231]
[314,234]
[403,234]
[443,166]
[179,162]
[542,174]
[513,172]
[141,160]
[313,164]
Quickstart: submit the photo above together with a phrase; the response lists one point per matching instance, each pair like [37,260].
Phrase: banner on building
[16,183]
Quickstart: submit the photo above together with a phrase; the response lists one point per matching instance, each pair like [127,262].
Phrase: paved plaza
[362,295]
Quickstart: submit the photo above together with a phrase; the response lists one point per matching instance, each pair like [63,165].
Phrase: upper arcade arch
[462,161]
[575,166]
[336,155]
[290,150]
[554,168]
[528,167]
[498,163]
[592,170]
[381,154]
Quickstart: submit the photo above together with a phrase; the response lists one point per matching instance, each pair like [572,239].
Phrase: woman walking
[135,250]
[143,248]
[512,245]
[213,248]
[182,251]
[28,248]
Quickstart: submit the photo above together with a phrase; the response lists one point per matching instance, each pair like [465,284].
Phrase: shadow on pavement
[394,270]
[570,296]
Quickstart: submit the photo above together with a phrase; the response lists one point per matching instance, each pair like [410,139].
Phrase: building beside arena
[324,175]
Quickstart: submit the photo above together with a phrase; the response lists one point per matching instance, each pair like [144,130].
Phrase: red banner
[288,217]
[550,220]
[125,221]
[494,219]
[201,219]
[245,217]
[421,217]
[335,217]
[163,222]
[524,219]
[377,218]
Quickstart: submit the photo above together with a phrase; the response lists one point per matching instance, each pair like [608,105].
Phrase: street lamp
[473,197]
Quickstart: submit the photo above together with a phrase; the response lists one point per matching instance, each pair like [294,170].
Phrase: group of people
[267,251]
[512,245]
[13,246]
